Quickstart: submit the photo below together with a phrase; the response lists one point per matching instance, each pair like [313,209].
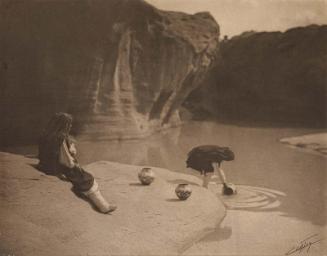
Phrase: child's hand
[72,149]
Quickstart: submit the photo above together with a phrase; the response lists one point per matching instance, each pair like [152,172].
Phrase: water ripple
[251,198]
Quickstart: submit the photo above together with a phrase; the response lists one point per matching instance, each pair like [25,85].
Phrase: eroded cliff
[268,77]
[121,67]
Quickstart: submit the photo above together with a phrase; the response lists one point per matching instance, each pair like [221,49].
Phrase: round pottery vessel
[229,190]
[146,176]
[183,191]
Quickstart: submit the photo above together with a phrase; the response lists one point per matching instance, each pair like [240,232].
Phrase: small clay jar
[183,191]
[146,176]
[229,189]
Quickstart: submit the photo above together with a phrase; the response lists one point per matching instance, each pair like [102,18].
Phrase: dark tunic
[49,150]
[201,158]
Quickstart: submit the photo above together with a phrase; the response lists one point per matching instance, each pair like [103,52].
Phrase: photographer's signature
[305,244]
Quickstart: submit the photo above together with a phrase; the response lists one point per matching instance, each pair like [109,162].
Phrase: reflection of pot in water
[146,176]
[183,191]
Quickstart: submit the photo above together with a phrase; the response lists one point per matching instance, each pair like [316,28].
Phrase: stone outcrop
[40,215]
[121,67]
[311,143]
[271,77]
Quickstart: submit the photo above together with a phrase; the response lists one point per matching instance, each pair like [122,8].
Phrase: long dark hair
[55,133]
[58,127]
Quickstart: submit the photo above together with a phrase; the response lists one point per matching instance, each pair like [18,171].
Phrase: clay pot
[183,191]
[229,189]
[146,176]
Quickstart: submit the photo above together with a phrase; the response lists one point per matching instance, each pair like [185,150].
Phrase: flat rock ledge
[311,143]
[40,215]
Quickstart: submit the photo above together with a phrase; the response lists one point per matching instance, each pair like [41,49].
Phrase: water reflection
[161,150]
[220,234]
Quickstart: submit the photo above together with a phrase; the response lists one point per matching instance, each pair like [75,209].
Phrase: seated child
[57,155]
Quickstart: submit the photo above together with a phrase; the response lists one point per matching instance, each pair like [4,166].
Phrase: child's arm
[221,174]
[72,149]
[65,158]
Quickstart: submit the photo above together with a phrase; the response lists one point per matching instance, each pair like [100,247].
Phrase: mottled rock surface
[269,77]
[312,143]
[121,67]
[40,215]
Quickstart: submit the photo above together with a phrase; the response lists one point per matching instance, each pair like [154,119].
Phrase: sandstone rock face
[40,215]
[268,76]
[121,67]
